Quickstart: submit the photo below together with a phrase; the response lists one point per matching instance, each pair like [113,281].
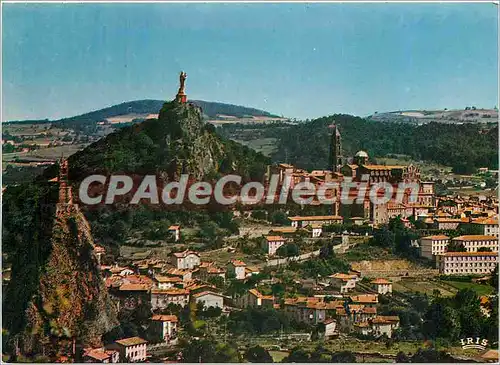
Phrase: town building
[208,270]
[166,282]
[130,291]
[343,282]
[336,159]
[316,230]
[272,243]
[367,300]
[132,349]
[302,222]
[473,243]
[164,327]
[253,299]
[466,263]
[175,231]
[353,314]
[209,299]
[183,274]
[330,328]
[310,310]
[236,268]
[447,223]
[384,325]
[487,226]
[431,246]
[161,298]
[131,296]
[186,259]
[426,194]
[101,355]
[382,286]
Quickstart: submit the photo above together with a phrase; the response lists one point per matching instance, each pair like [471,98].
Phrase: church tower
[336,159]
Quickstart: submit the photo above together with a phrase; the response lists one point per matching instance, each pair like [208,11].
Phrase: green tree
[484,249]
[441,321]
[401,357]
[259,214]
[195,351]
[279,218]
[297,354]
[343,356]
[431,356]
[287,250]
[384,237]
[455,246]
[217,281]
[258,354]
[494,279]
[227,352]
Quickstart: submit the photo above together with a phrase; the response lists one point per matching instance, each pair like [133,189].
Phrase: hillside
[56,292]
[464,147]
[142,108]
[468,115]
[177,142]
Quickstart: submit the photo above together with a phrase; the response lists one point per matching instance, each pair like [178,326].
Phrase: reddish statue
[181,95]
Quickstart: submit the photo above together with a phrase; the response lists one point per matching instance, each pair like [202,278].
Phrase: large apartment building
[431,246]
[488,226]
[473,243]
[467,263]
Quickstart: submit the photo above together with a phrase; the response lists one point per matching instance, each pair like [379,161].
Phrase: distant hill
[457,116]
[464,147]
[178,141]
[142,108]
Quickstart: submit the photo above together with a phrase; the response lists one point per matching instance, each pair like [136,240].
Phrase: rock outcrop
[56,301]
[178,142]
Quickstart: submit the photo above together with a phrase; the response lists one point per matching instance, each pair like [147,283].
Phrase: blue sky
[299,60]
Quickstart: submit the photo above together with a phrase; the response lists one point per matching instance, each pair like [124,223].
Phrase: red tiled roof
[203,293]
[365,298]
[135,287]
[475,237]
[238,263]
[185,253]
[168,279]
[316,218]
[131,341]
[469,254]
[165,318]
[274,238]
[343,276]
[385,319]
[170,291]
[436,237]
[98,354]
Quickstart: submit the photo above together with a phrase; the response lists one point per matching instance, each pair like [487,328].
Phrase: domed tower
[361,158]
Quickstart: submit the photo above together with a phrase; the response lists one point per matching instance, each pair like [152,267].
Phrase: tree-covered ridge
[465,147]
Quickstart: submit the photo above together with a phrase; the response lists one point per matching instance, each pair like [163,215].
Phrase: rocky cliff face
[56,298]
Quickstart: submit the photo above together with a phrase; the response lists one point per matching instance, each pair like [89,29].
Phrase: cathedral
[359,169]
